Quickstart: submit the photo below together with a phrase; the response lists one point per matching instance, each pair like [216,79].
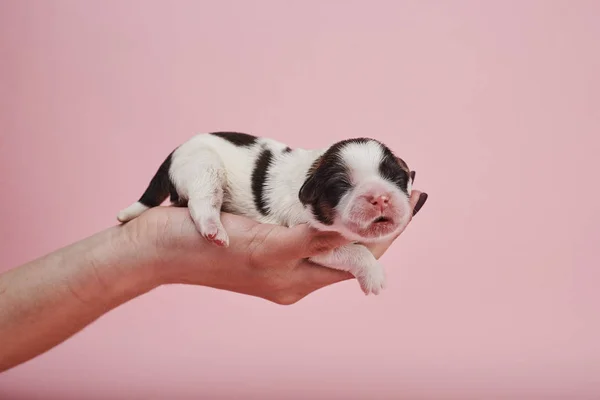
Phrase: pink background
[493,290]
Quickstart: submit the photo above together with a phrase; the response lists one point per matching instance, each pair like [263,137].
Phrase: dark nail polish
[422,199]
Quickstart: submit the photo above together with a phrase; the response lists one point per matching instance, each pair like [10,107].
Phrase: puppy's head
[359,188]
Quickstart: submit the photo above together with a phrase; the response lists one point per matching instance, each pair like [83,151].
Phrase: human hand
[263,260]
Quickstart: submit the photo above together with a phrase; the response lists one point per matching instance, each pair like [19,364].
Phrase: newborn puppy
[356,187]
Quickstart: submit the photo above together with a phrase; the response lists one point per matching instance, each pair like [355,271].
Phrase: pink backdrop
[493,290]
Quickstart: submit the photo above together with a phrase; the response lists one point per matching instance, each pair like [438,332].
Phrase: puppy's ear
[402,164]
[308,191]
[412,176]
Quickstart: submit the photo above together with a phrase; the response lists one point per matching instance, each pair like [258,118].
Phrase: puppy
[356,187]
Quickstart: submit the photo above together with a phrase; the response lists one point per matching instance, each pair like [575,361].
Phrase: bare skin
[46,301]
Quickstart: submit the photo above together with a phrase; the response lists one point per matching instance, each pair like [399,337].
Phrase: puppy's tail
[131,212]
[157,191]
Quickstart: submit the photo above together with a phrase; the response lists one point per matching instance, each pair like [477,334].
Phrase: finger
[414,198]
[420,203]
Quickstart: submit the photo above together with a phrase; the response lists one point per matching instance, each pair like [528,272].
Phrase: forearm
[46,301]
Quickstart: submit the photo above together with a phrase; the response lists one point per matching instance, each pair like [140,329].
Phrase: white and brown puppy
[356,187]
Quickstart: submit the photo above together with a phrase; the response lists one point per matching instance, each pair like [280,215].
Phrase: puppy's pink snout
[380,202]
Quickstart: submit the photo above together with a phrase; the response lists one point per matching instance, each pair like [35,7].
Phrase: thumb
[323,242]
[303,241]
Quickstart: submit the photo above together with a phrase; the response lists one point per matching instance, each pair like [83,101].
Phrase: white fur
[358,260]
[131,212]
[214,173]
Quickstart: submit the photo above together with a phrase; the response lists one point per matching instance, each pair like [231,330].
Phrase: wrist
[121,266]
[166,243]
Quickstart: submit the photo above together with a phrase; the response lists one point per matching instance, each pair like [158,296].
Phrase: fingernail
[412,176]
[422,199]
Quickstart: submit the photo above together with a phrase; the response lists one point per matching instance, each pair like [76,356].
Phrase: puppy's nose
[380,201]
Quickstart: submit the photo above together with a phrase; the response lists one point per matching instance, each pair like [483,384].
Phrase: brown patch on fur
[315,165]
[326,211]
[326,181]
[403,165]
[322,207]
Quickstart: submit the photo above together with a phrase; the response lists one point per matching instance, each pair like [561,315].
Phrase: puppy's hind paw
[213,231]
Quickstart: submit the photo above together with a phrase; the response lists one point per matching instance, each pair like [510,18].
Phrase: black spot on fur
[391,169]
[287,149]
[160,186]
[259,176]
[237,138]
[177,200]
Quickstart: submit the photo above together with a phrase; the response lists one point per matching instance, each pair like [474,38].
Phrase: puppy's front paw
[372,279]
[213,231]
